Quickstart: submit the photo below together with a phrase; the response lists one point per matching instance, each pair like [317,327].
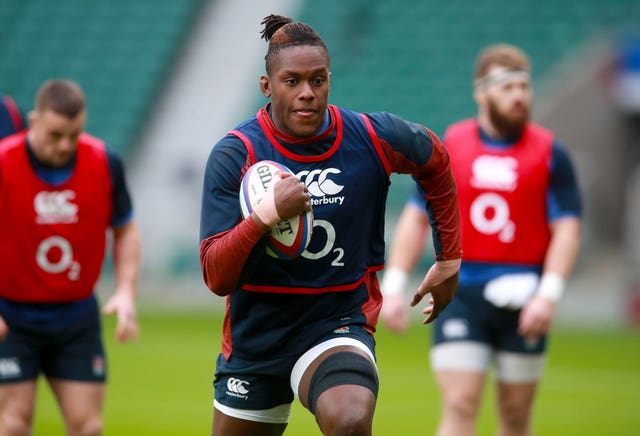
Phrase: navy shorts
[470,317]
[73,352]
[263,384]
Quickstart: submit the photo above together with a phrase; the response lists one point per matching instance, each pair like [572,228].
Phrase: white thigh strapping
[519,367]
[305,360]
[276,415]
[461,355]
[474,356]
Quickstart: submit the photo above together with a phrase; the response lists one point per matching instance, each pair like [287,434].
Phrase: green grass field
[161,385]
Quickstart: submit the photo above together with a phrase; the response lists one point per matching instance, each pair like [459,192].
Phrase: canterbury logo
[53,207]
[237,386]
[319,183]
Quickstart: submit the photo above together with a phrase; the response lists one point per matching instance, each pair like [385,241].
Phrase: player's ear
[32,117]
[265,86]
[479,96]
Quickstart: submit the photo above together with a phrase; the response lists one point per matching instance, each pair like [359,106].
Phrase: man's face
[54,137]
[299,89]
[508,101]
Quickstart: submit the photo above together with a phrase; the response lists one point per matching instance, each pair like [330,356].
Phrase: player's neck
[490,131]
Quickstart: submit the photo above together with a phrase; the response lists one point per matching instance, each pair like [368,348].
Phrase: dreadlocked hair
[282,32]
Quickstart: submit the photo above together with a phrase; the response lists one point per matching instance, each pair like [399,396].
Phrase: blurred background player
[305,326]
[60,190]
[520,213]
[11,119]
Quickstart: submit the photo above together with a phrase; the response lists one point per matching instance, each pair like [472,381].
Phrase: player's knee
[514,416]
[462,403]
[346,416]
[342,368]
[86,426]
[15,424]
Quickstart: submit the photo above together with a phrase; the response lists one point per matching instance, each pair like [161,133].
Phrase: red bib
[502,194]
[52,237]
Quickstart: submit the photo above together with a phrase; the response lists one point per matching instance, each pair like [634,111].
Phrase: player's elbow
[212,278]
[214,281]
[217,288]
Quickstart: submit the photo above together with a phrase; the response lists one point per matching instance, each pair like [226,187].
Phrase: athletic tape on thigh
[342,368]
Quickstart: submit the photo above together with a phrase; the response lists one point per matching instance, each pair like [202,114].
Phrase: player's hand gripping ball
[289,238]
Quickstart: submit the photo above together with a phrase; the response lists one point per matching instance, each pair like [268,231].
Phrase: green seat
[119,51]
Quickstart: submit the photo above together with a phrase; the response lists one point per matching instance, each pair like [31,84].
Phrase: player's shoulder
[459,128]
[231,143]
[12,141]
[90,142]
[228,156]
[395,129]
[236,137]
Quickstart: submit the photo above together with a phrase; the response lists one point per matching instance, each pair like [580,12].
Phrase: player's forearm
[561,258]
[564,247]
[223,256]
[127,249]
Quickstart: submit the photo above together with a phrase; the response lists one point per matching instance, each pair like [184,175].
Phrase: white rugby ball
[289,238]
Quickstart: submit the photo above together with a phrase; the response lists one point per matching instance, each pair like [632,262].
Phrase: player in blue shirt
[305,326]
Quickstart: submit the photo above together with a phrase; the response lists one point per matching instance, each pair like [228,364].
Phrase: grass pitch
[161,385]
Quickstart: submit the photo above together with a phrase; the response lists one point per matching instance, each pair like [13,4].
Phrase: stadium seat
[119,51]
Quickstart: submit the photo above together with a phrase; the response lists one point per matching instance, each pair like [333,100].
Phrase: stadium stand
[119,51]
[415,58]
[411,57]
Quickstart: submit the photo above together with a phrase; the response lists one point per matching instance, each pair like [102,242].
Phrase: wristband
[394,281]
[551,286]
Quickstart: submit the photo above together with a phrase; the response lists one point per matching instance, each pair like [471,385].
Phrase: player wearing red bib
[520,217]
[60,191]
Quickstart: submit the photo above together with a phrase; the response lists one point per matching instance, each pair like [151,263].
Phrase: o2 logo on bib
[490,215]
[55,256]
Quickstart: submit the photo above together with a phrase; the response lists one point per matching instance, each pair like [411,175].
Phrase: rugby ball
[289,238]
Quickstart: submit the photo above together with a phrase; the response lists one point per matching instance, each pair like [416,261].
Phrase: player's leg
[16,408]
[517,376]
[515,401]
[224,424]
[81,406]
[75,368]
[460,385]
[519,367]
[19,369]
[460,356]
[251,398]
[346,409]
[337,381]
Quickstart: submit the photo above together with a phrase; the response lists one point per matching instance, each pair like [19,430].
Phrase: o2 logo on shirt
[55,256]
[489,214]
[328,248]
